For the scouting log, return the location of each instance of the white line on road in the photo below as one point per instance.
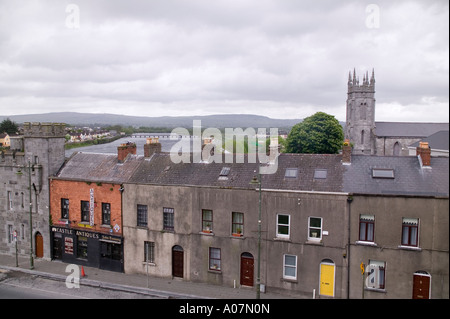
(43, 290)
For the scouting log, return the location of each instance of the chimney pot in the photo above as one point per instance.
(124, 149)
(424, 152)
(152, 146)
(346, 152)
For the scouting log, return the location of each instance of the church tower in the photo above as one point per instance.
(360, 121)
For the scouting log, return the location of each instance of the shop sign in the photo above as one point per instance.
(62, 230)
(91, 207)
(86, 234)
(110, 239)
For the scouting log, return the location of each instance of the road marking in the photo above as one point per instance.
(43, 290)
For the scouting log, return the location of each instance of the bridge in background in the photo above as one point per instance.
(164, 136)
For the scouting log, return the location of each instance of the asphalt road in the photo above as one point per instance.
(18, 285)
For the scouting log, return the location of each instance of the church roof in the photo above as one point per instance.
(437, 141)
(408, 129)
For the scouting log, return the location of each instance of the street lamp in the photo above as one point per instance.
(257, 181)
(31, 225)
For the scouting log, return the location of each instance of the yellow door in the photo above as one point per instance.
(327, 280)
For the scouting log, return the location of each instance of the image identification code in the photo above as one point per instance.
(235, 308)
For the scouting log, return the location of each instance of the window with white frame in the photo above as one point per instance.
(237, 223)
(376, 274)
(366, 227)
(207, 220)
(314, 228)
(289, 267)
(410, 232)
(283, 225)
(214, 259)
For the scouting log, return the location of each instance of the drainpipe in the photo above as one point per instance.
(121, 189)
(349, 201)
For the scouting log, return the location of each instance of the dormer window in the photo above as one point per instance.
(382, 173)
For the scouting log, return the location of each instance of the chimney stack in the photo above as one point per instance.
(208, 147)
(346, 152)
(152, 146)
(124, 149)
(424, 152)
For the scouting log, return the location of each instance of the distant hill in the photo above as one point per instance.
(90, 119)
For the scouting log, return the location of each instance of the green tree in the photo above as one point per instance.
(9, 127)
(320, 133)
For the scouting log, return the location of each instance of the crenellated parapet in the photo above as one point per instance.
(367, 85)
(44, 129)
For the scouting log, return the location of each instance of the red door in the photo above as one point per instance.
(421, 286)
(39, 246)
(247, 267)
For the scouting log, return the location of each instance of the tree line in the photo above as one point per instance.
(320, 133)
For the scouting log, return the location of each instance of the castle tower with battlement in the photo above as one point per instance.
(360, 119)
(24, 188)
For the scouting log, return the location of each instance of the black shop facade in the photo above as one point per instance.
(87, 248)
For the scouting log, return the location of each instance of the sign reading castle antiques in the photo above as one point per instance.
(75, 232)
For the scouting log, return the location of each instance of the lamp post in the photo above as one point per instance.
(257, 181)
(31, 220)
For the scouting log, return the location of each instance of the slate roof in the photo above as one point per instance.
(437, 141)
(409, 177)
(162, 171)
(99, 167)
(306, 165)
(408, 129)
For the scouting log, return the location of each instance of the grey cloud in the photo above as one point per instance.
(201, 56)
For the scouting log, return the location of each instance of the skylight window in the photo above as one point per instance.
(291, 173)
(382, 173)
(225, 171)
(320, 174)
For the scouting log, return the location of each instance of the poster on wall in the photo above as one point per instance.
(68, 245)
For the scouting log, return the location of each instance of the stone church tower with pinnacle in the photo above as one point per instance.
(360, 119)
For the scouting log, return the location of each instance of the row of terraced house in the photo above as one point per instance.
(324, 218)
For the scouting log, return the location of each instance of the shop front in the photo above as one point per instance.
(87, 248)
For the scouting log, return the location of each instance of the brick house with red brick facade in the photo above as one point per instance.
(86, 208)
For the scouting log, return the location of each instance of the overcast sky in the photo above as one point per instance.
(277, 58)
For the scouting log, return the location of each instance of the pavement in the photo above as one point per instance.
(165, 288)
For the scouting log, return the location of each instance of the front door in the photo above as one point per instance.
(421, 286)
(57, 248)
(327, 279)
(39, 242)
(177, 261)
(247, 267)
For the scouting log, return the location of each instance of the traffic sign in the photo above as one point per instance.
(362, 268)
